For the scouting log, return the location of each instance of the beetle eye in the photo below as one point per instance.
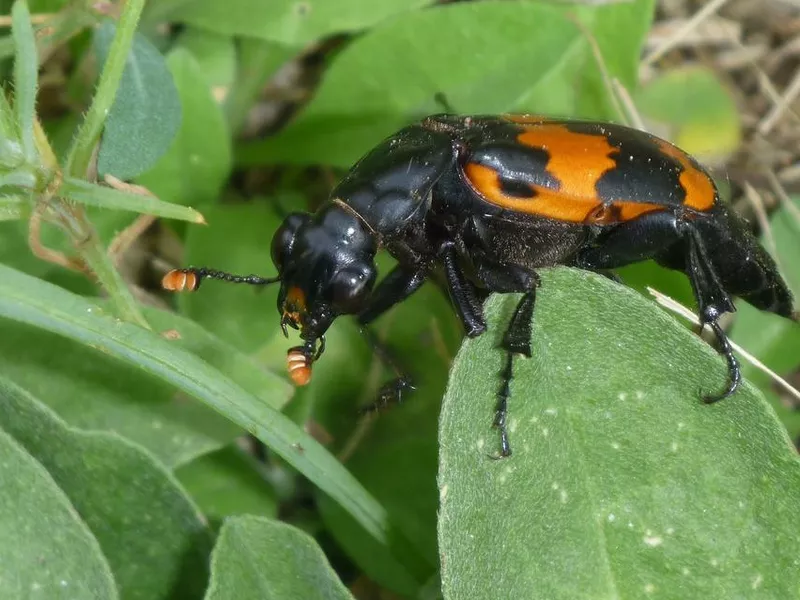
(350, 288)
(283, 240)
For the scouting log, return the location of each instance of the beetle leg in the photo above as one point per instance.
(398, 285)
(713, 302)
(462, 292)
(516, 340)
(631, 242)
(392, 391)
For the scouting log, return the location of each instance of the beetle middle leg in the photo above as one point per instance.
(664, 236)
(517, 337)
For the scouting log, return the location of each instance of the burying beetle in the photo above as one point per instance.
(490, 199)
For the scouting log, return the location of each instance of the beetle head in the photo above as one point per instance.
(326, 266)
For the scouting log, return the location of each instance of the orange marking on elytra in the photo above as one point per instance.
(700, 190)
(547, 203)
(577, 160)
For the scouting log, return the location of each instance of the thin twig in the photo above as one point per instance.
(701, 15)
(782, 106)
(601, 63)
(37, 19)
(630, 108)
(783, 197)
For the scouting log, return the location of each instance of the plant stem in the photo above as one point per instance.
(80, 154)
(73, 218)
(25, 76)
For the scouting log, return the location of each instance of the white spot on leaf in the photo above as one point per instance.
(653, 540)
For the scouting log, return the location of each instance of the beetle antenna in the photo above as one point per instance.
(189, 279)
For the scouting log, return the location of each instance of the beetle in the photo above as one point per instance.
(487, 200)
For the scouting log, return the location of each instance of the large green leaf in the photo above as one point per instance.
(25, 299)
(484, 56)
(288, 21)
(198, 161)
(623, 484)
(46, 550)
(146, 111)
(147, 528)
(215, 55)
(695, 111)
(266, 560)
(229, 482)
(97, 392)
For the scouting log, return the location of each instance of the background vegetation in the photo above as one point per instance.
(152, 446)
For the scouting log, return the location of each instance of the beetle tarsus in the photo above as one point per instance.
(391, 393)
(734, 373)
(501, 410)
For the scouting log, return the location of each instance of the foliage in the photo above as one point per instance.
(160, 452)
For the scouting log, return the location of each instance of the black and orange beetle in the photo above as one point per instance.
(490, 199)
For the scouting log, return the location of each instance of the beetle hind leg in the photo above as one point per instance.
(713, 301)
(734, 374)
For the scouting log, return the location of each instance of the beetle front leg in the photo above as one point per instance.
(398, 285)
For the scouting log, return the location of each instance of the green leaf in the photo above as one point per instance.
(147, 528)
(522, 55)
(25, 299)
(215, 55)
(8, 126)
(47, 550)
(291, 22)
(146, 113)
(199, 160)
(26, 76)
(259, 60)
(93, 391)
(92, 194)
(24, 177)
(47, 6)
(786, 234)
(13, 207)
(117, 52)
(619, 55)
(229, 482)
(623, 483)
(267, 560)
(694, 110)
